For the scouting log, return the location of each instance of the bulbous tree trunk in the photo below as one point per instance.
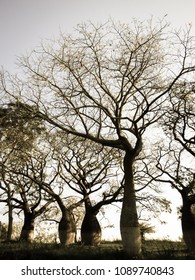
(188, 225)
(90, 229)
(27, 233)
(129, 225)
(67, 228)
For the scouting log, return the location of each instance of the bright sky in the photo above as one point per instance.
(24, 23)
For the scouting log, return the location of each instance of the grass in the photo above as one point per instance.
(152, 249)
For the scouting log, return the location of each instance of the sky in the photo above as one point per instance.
(25, 23)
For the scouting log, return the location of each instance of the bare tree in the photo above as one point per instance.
(19, 130)
(26, 196)
(174, 170)
(181, 116)
(108, 84)
(45, 172)
(176, 157)
(87, 168)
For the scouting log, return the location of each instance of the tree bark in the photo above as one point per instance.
(27, 233)
(129, 225)
(10, 220)
(188, 225)
(90, 229)
(67, 227)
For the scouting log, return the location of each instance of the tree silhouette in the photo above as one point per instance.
(19, 131)
(108, 84)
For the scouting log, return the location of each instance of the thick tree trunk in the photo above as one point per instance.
(188, 225)
(129, 225)
(90, 229)
(27, 233)
(67, 227)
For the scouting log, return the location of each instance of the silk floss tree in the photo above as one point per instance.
(87, 168)
(176, 163)
(108, 83)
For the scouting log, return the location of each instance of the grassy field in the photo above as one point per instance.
(152, 249)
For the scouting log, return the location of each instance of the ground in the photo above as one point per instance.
(152, 249)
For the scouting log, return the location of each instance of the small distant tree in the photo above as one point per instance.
(16, 232)
(146, 229)
(3, 231)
